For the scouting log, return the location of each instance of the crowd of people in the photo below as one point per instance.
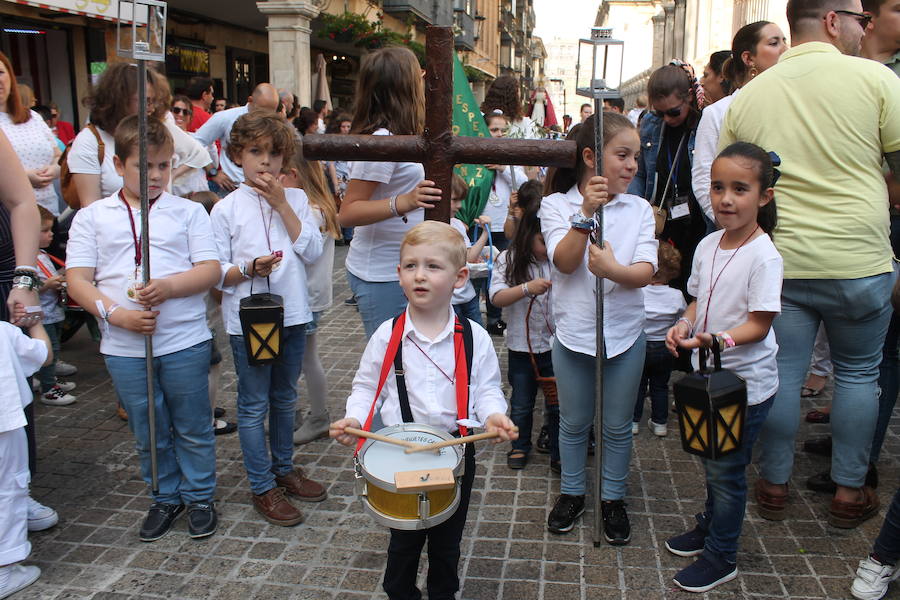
(750, 212)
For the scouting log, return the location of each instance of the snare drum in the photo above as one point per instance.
(378, 462)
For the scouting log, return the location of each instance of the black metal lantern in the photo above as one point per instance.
(262, 319)
(712, 409)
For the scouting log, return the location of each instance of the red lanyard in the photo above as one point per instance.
(266, 225)
(713, 270)
(134, 235)
(431, 360)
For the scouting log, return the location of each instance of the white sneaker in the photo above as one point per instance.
(64, 369)
(40, 517)
(16, 577)
(635, 427)
(313, 428)
(658, 430)
(57, 397)
(872, 579)
(66, 386)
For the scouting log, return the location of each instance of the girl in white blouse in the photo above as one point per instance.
(384, 199)
(626, 262)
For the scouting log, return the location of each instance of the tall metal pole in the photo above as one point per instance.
(600, 348)
(145, 263)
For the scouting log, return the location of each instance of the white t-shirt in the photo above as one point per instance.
(35, 145)
(706, 147)
(628, 226)
(497, 205)
(750, 283)
(540, 324)
(82, 158)
(180, 235)
(20, 356)
(240, 223)
(319, 273)
(375, 250)
(662, 307)
(466, 292)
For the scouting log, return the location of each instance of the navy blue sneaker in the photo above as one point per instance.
(687, 544)
(705, 574)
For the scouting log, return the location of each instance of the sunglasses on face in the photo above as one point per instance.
(862, 18)
(177, 110)
(672, 112)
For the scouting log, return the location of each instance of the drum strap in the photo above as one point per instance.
(393, 356)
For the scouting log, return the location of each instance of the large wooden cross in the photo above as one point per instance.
(437, 148)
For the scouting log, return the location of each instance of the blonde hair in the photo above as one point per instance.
(390, 93)
(436, 233)
(312, 181)
(459, 189)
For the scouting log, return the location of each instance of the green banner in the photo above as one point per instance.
(467, 121)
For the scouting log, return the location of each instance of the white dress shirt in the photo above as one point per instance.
(432, 397)
(20, 356)
(375, 250)
(240, 221)
(541, 322)
(628, 226)
(706, 145)
(218, 127)
(497, 205)
(180, 235)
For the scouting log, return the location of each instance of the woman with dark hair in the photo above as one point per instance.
(755, 48)
(30, 137)
(664, 165)
(113, 98)
(503, 95)
(307, 122)
(715, 85)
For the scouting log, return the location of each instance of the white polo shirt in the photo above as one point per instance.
(240, 221)
(628, 225)
(180, 235)
(375, 250)
(540, 324)
(432, 397)
(497, 206)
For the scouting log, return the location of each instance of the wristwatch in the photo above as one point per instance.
(212, 172)
(581, 223)
(26, 282)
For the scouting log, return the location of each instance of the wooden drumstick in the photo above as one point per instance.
(463, 440)
(379, 438)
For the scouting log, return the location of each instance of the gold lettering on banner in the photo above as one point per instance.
(101, 5)
(190, 60)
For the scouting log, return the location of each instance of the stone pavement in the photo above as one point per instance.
(88, 471)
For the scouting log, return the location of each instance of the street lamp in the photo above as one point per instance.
(141, 36)
(601, 82)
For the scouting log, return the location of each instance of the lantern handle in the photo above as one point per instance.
(717, 359)
(253, 278)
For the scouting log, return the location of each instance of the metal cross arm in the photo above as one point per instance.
(437, 148)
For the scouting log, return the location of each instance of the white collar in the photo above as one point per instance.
(410, 327)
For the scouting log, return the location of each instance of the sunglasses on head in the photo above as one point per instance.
(862, 18)
(177, 110)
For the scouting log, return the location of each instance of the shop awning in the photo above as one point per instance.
(107, 10)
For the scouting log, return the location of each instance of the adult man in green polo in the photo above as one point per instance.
(831, 117)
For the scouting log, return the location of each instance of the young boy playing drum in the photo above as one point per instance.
(432, 265)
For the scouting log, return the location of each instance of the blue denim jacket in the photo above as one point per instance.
(652, 129)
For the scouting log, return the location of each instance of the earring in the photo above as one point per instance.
(753, 72)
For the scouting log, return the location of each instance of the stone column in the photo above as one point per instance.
(659, 40)
(289, 59)
(680, 14)
(669, 52)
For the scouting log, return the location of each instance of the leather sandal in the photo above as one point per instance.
(848, 515)
(516, 459)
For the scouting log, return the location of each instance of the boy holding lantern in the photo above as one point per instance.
(432, 265)
(266, 234)
(104, 276)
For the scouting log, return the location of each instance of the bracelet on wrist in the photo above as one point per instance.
(392, 204)
(687, 322)
(525, 291)
(727, 340)
(26, 281)
(24, 270)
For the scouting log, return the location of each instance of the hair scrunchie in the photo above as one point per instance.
(696, 89)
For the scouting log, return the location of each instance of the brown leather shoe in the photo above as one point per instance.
(120, 412)
(276, 509)
(848, 515)
(770, 505)
(301, 487)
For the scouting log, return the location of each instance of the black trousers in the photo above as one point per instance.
(405, 548)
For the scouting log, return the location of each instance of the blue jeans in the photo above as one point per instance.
(856, 314)
(377, 301)
(726, 491)
(185, 443)
(521, 402)
(268, 390)
(658, 364)
(575, 380)
(469, 310)
(887, 544)
(888, 383)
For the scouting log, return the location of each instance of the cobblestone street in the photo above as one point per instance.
(88, 472)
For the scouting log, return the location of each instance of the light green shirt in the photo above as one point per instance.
(830, 118)
(894, 64)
